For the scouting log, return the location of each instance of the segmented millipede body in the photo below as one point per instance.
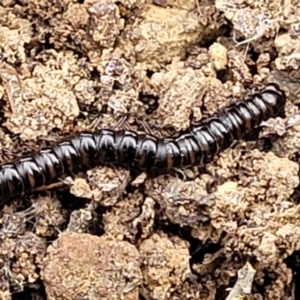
(142, 152)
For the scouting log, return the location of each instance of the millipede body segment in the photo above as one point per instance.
(142, 152)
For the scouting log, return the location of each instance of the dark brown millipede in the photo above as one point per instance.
(142, 152)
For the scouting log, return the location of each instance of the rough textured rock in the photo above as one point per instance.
(101, 268)
(164, 263)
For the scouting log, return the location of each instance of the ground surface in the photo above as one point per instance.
(68, 66)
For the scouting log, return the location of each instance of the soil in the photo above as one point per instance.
(228, 230)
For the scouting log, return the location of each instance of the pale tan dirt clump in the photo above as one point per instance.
(100, 268)
(155, 66)
(164, 263)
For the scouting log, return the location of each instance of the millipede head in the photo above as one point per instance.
(274, 97)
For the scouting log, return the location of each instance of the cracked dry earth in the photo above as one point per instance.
(69, 66)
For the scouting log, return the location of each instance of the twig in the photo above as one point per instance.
(264, 24)
(243, 284)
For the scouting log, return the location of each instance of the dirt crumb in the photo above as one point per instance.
(80, 220)
(90, 25)
(132, 219)
(103, 185)
(176, 199)
(165, 263)
(182, 92)
(289, 48)
(26, 251)
(51, 104)
(93, 270)
(48, 216)
(160, 34)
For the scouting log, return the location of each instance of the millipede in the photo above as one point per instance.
(142, 152)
